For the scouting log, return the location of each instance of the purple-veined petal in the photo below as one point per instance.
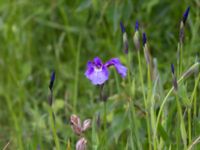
(97, 75)
(97, 62)
(90, 69)
(121, 69)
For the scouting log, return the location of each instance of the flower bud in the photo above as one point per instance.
(86, 124)
(136, 40)
(76, 124)
(124, 36)
(174, 80)
(125, 42)
(81, 144)
(185, 15)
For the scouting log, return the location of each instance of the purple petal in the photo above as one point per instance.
(90, 69)
(97, 75)
(122, 70)
(97, 62)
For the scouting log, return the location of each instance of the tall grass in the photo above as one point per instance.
(141, 112)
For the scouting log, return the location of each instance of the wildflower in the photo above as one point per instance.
(98, 72)
(136, 38)
(81, 144)
(175, 84)
(125, 39)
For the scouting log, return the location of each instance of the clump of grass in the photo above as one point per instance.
(147, 109)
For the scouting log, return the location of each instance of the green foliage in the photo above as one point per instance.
(44, 35)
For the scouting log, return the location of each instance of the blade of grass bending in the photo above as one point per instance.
(170, 91)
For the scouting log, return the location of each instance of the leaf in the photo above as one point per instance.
(68, 145)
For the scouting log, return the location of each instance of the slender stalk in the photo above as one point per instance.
(76, 75)
(147, 108)
(144, 97)
(181, 58)
(53, 128)
(181, 122)
(152, 113)
(194, 143)
(105, 124)
(189, 126)
(132, 113)
(16, 125)
(141, 76)
(104, 115)
(194, 100)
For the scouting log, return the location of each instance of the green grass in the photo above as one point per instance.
(140, 113)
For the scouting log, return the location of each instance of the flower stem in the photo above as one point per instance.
(105, 123)
(53, 127)
(144, 97)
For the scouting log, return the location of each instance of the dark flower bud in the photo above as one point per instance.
(52, 80)
(136, 26)
(125, 39)
(122, 27)
(175, 84)
(185, 15)
(136, 37)
(144, 38)
(172, 68)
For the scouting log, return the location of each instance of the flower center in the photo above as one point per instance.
(98, 68)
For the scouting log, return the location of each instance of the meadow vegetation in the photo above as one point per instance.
(152, 105)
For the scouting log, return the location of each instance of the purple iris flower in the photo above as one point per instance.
(98, 72)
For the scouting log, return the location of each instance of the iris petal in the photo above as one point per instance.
(98, 76)
(96, 72)
(121, 69)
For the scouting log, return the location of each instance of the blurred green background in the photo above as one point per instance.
(39, 36)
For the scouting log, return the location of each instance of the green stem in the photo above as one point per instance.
(144, 97)
(141, 75)
(105, 124)
(52, 123)
(16, 125)
(189, 126)
(147, 103)
(76, 74)
(181, 57)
